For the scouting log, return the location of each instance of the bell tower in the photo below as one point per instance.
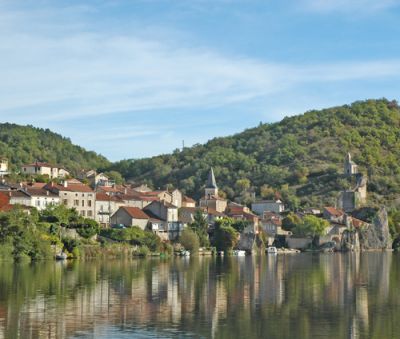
(211, 189)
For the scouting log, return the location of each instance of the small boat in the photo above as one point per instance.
(272, 250)
(185, 254)
(239, 253)
(61, 256)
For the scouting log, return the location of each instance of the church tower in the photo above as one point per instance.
(211, 187)
(350, 167)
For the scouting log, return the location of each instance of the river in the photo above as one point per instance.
(286, 296)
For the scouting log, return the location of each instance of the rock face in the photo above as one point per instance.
(350, 241)
(376, 236)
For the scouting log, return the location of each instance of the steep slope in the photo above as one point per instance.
(301, 157)
(24, 144)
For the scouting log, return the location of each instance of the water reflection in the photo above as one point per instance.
(293, 296)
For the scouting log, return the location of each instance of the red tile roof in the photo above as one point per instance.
(187, 199)
(135, 213)
(334, 212)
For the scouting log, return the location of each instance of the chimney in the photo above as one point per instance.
(47, 192)
(65, 183)
(125, 190)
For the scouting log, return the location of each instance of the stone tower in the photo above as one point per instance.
(350, 167)
(211, 187)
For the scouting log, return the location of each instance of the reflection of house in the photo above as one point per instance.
(130, 216)
(44, 168)
(211, 200)
(260, 207)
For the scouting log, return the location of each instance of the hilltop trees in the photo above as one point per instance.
(306, 152)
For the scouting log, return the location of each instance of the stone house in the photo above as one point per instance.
(165, 218)
(130, 216)
(106, 206)
(44, 168)
(188, 202)
(259, 207)
(75, 194)
(3, 166)
(177, 197)
(42, 198)
(333, 215)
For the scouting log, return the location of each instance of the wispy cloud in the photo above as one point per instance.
(90, 74)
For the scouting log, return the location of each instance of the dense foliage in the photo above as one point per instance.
(310, 226)
(299, 158)
(26, 144)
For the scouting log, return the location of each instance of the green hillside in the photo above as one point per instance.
(25, 144)
(300, 157)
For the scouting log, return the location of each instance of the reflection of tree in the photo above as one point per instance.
(298, 296)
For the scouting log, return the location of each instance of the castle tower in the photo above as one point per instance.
(211, 187)
(350, 167)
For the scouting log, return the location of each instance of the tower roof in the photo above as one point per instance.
(211, 182)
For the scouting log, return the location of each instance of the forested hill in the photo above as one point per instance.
(25, 144)
(300, 157)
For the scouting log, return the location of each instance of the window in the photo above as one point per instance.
(83, 213)
(76, 202)
(89, 213)
(89, 203)
(65, 201)
(38, 203)
(83, 194)
(83, 203)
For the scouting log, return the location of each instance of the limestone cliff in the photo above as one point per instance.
(376, 235)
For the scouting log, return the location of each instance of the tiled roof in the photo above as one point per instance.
(70, 188)
(33, 191)
(135, 213)
(187, 199)
(334, 212)
(105, 197)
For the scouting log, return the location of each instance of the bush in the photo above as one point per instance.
(190, 240)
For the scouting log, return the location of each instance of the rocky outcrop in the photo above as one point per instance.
(350, 241)
(373, 236)
(376, 235)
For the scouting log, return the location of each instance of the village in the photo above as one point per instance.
(167, 213)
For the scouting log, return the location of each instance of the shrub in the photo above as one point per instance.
(190, 240)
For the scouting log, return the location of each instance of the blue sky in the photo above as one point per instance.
(133, 78)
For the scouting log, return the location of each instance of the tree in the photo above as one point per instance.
(189, 240)
(200, 227)
(290, 222)
(225, 236)
(267, 192)
(311, 226)
(242, 184)
(115, 176)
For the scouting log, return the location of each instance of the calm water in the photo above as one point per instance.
(285, 296)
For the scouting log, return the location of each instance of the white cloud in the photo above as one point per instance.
(66, 72)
